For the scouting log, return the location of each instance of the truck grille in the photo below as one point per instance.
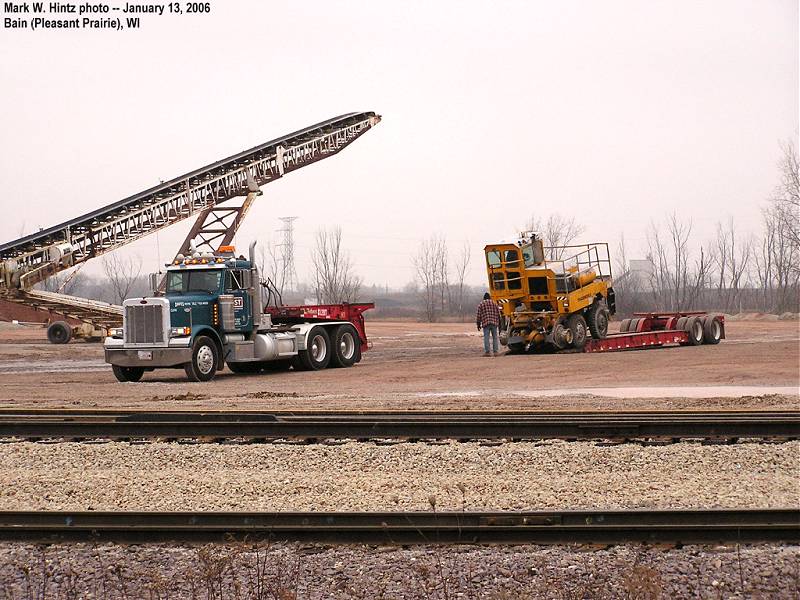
(144, 324)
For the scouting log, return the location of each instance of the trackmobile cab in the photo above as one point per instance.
(212, 313)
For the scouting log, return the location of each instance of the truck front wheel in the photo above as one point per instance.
(124, 374)
(318, 351)
(205, 359)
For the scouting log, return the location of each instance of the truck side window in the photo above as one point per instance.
(233, 280)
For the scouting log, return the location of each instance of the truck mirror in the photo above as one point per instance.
(154, 280)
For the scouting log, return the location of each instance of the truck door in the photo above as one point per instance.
(234, 285)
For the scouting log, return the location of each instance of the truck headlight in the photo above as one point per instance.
(180, 331)
(115, 332)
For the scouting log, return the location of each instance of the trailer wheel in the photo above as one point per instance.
(124, 374)
(623, 326)
(59, 332)
(681, 324)
(712, 330)
(345, 346)
(205, 358)
(694, 327)
(577, 325)
(597, 319)
(318, 353)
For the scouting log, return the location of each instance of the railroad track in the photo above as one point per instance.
(255, 426)
(541, 527)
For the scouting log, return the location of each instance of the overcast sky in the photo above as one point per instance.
(616, 112)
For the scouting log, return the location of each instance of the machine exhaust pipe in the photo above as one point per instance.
(253, 253)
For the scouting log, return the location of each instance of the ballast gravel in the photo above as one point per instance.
(404, 476)
(434, 573)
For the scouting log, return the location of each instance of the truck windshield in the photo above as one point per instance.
(186, 282)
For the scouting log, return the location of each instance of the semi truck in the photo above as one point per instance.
(213, 312)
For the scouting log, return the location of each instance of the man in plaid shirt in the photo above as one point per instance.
(488, 318)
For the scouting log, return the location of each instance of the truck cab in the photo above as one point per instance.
(211, 314)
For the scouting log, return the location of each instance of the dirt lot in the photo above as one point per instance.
(422, 366)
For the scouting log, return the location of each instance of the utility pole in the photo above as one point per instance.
(287, 253)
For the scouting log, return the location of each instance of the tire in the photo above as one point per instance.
(712, 330)
(597, 319)
(124, 374)
(562, 336)
(680, 325)
(694, 327)
(245, 368)
(59, 332)
(345, 346)
(580, 332)
(205, 358)
(623, 327)
(318, 354)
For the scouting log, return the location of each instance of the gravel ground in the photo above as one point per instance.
(362, 476)
(291, 571)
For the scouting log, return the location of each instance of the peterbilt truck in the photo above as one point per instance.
(211, 314)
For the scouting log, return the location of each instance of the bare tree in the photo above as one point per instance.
(786, 198)
(557, 231)
(334, 278)
(461, 266)
(427, 264)
(271, 266)
(777, 259)
(121, 274)
(732, 257)
(674, 282)
(442, 274)
(64, 283)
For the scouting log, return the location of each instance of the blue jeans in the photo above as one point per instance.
(490, 329)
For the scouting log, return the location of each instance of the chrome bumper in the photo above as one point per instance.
(159, 357)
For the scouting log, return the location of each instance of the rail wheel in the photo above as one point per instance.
(318, 353)
(712, 330)
(205, 358)
(346, 346)
(577, 325)
(59, 332)
(562, 336)
(597, 319)
(124, 374)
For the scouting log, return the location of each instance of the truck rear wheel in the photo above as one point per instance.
(346, 342)
(597, 319)
(577, 325)
(317, 354)
(59, 332)
(124, 374)
(205, 358)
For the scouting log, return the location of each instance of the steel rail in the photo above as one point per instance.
(537, 527)
(274, 425)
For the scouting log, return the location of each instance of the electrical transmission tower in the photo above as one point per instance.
(287, 254)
